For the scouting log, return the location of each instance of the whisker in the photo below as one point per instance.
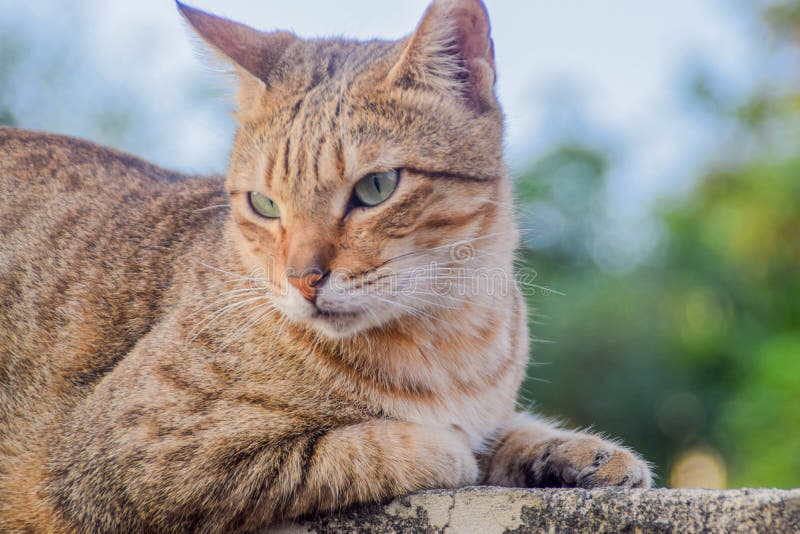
(223, 271)
(192, 335)
(223, 298)
(432, 303)
(413, 310)
(212, 208)
(258, 315)
(460, 242)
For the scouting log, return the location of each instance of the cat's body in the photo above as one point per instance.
(127, 281)
(156, 373)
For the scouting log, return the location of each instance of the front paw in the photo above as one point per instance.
(584, 461)
(451, 460)
(571, 460)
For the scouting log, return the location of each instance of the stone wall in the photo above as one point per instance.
(487, 510)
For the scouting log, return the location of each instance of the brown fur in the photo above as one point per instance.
(158, 371)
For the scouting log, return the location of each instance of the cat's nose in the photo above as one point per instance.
(307, 285)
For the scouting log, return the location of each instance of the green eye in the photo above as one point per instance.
(374, 188)
(264, 206)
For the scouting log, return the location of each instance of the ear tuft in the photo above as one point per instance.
(256, 52)
(452, 50)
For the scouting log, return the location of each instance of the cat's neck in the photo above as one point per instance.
(427, 355)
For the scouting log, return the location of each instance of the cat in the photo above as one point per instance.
(186, 353)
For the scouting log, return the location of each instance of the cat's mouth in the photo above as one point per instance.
(333, 314)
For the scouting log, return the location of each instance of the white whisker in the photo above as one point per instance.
(212, 207)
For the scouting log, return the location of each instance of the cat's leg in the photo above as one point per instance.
(220, 486)
(534, 453)
(381, 459)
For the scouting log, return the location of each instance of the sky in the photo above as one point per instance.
(610, 70)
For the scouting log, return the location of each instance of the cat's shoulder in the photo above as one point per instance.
(27, 154)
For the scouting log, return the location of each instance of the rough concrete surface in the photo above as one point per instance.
(488, 510)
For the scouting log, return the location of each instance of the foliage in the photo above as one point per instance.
(699, 345)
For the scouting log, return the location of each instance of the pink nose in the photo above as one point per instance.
(306, 285)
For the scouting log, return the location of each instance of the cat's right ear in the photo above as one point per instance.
(451, 50)
(253, 53)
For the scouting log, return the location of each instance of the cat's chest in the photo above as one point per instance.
(481, 414)
(479, 395)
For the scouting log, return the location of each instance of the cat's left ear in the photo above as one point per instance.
(255, 54)
(451, 50)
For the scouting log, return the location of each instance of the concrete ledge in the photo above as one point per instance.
(489, 510)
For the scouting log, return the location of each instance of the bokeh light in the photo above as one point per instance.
(698, 468)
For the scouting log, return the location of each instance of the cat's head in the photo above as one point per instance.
(367, 180)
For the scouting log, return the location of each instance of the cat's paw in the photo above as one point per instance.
(572, 460)
(584, 461)
(453, 460)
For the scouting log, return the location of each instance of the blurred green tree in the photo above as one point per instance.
(698, 347)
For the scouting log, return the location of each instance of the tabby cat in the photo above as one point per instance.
(186, 353)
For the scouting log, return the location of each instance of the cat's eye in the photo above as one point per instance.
(264, 206)
(375, 187)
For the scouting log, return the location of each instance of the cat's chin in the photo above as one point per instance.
(338, 325)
